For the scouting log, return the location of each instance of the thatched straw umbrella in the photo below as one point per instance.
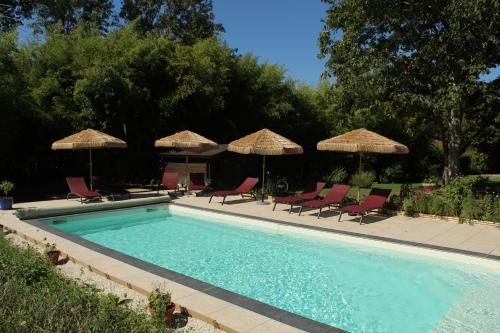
(89, 139)
(362, 141)
(188, 141)
(264, 142)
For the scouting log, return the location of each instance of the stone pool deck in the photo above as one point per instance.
(477, 240)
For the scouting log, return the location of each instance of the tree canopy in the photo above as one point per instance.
(419, 61)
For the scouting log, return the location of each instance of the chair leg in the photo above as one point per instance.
(320, 208)
(210, 200)
(300, 211)
(223, 199)
(290, 210)
(361, 219)
(274, 207)
(242, 196)
(340, 216)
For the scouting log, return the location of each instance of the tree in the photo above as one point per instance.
(183, 20)
(68, 13)
(13, 11)
(423, 59)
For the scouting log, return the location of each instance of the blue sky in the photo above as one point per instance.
(282, 32)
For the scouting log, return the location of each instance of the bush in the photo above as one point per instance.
(363, 179)
(337, 176)
(392, 174)
(456, 199)
(409, 206)
(34, 297)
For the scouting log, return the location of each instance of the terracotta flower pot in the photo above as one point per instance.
(53, 256)
(169, 313)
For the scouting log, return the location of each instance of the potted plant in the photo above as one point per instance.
(52, 253)
(161, 305)
(6, 202)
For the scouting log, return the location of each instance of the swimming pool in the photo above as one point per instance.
(336, 280)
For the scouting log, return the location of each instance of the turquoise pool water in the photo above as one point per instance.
(353, 287)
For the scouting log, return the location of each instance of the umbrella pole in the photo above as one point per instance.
(263, 175)
(90, 164)
(187, 175)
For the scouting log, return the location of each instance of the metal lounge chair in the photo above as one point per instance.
(243, 189)
(334, 197)
(78, 188)
(295, 199)
(375, 200)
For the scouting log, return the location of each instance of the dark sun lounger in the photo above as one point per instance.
(78, 188)
(334, 197)
(295, 199)
(244, 188)
(375, 200)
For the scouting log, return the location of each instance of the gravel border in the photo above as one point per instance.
(138, 301)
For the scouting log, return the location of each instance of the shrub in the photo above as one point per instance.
(363, 179)
(392, 174)
(456, 199)
(409, 206)
(337, 176)
(467, 211)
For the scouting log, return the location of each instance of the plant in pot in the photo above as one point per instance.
(6, 202)
(161, 305)
(52, 253)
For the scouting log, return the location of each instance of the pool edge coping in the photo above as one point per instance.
(263, 309)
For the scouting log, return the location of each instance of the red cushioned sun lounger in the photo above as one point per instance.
(78, 188)
(334, 197)
(244, 188)
(170, 181)
(375, 200)
(295, 199)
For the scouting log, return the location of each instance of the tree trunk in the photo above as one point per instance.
(452, 146)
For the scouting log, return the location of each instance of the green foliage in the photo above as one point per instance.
(6, 187)
(468, 205)
(49, 247)
(363, 179)
(392, 174)
(416, 65)
(460, 188)
(337, 176)
(65, 14)
(457, 199)
(474, 161)
(409, 206)
(183, 20)
(159, 300)
(33, 295)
